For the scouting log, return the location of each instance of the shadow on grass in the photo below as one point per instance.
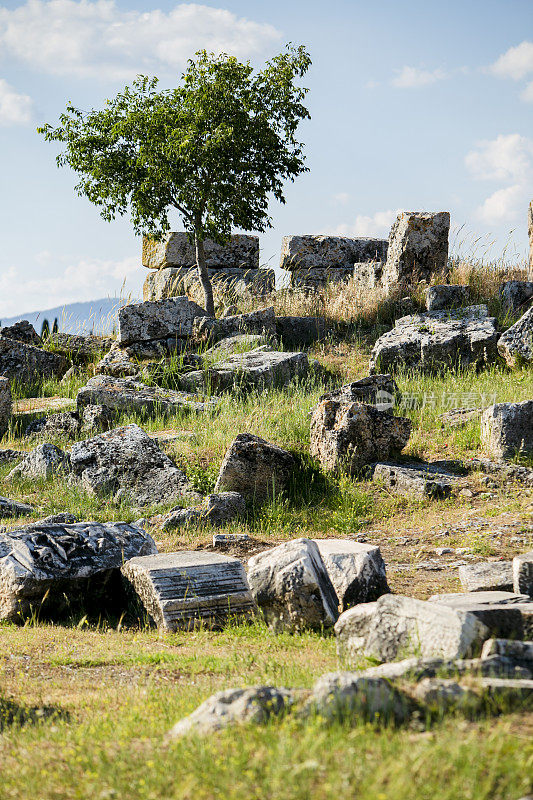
(12, 714)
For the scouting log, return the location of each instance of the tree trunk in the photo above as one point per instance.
(204, 275)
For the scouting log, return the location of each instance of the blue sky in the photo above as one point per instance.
(415, 105)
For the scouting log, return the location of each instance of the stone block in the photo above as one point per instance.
(216, 510)
(325, 252)
(169, 282)
(262, 322)
(446, 296)
(79, 350)
(294, 332)
(24, 363)
(507, 429)
(356, 570)
(417, 481)
(144, 322)
(504, 615)
(487, 576)
(176, 249)
(523, 574)
(380, 391)
(516, 344)
(418, 248)
(187, 589)
(516, 295)
(22, 331)
(44, 462)
(347, 695)
(255, 468)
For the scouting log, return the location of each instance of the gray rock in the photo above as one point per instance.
(418, 248)
(255, 705)
(123, 394)
(65, 424)
(503, 471)
(504, 615)
(95, 419)
(396, 626)
(446, 296)
(438, 340)
(516, 295)
(256, 469)
(327, 252)
(516, 344)
(144, 322)
(367, 275)
(79, 350)
(24, 363)
(12, 508)
(488, 576)
(346, 436)
(7, 455)
(375, 390)
(519, 651)
(416, 669)
(225, 539)
(262, 322)
(317, 277)
(508, 691)
(356, 570)
(46, 567)
(523, 574)
(125, 462)
(240, 343)
(300, 331)
(6, 405)
(42, 463)
(169, 282)
(291, 586)
(190, 588)
(347, 695)
(445, 695)
(23, 332)
(175, 249)
(458, 417)
(63, 518)
(259, 369)
(507, 429)
(216, 510)
(117, 364)
(415, 480)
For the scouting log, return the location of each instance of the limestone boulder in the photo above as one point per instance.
(79, 350)
(255, 468)
(516, 344)
(12, 508)
(291, 586)
(327, 252)
(294, 332)
(396, 627)
(22, 331)
(418, 481)
(232, 345)
(144, 322)
(262, 322)
(356, 570)
(507, 429)
(6, 405)
(487, 576)
(25, 363)
(42, 463)
(188, 589)
(523, 574)
(437, 341)
(516, 295)
(446, 296)
(216, 510)
(176, 249)
(346, 696)
(346, 436)
(126, 463)
(417, 249)
(50, 567)
(530, 233)
(380, 391)
(517, 651)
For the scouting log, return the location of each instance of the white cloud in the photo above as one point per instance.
(341, 197)
(88, 279)
(413, 78)
(15, 108)
(379, 224)
(507, 159)
(517, 64)
(97, 39)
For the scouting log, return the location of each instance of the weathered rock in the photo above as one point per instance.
(458, 417)
(503, 471)
(228, 539)
(95, 419)
(216, 510)
(22, 331)
(43, 462)
(376, 390)
(396, 626)
(516, 295)
(523, 574)
(487, 576)
(291, 586)
(169, 282)
(516, 344)
(7, 455)
(504, 615)
(117, 364)
(445, 695)
(125, 462)
(255, 468)
(418, 248)
(12, 508)
(329, 252)
(367, 275)
(6, 405)
(446, 296)
(255, 705)
(63, 518)
(438, 340)
(317, 277)
(356, 570)
(240, 343)
(48, 567)
(416, 669)
(259, 369)
(176, 249)
(346, 436)
(415, 480)
(262, 322)
(79, 350)
(300, 331)
(144, 322)
(65, 424)
(123, 394)
(519, 651)
(190, 588)
(507, 429)
(508, 692)
(347, 695)
(24, 363)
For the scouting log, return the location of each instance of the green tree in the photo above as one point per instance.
(45, 329)
(214, 148)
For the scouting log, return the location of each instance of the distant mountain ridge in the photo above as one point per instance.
(98, 316)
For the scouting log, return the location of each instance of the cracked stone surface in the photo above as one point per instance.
(144, 322)
(256, 469)
(418, 247)
(175, 249)
(516, 344)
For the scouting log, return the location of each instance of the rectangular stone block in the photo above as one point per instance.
(415, 480)
(507, 429)
(523, 573)
(506, 615)
(185, 589)
(418, 248)
(144, 322)
(174, 281)
(329, 252)
(176, 249)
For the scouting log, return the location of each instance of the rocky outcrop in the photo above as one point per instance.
(126, 463)
(507, 429)
(516, 344)
(6, 405)
(176, 249)
(256, 469)
(23, 332)
(50, 567)
(216, 510)
(437, 341)
(418, 248)
(25, 363)
(291, 586)
(356, 570)
(190, 588)
(144, 322)
(346, 436)
(446, 296)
